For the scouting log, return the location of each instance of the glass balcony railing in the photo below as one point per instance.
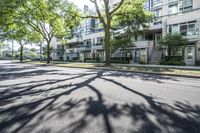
(172, 1)
(156, 3)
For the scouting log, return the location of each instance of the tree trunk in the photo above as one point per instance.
(21, 53)
(41, 52)
(48, 52)
(107, 47)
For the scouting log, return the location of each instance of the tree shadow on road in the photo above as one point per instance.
(26, 116)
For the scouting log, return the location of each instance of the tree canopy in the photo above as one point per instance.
(49, 18)
(175, 43)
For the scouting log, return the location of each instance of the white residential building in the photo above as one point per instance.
(170, 16)
(87, 41)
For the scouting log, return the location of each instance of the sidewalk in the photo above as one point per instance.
(167, 66)
(181, 71)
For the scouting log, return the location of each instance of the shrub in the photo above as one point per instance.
(142, 62)
(176, 63)
(90, 61)
(120, 61)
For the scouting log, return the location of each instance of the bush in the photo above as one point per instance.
(71, 61)
(142, 62)
(173, 58)
(176, 63)
(90, 61)
(120, 61)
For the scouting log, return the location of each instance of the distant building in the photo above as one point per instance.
(7, 54)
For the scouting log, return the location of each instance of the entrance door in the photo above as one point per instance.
(136, 56)
(190, 55)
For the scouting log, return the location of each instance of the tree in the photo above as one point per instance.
(124, 12)
(23, 36)
(175, 43)
(49, 18)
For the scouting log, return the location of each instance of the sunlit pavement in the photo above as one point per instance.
(45, 99)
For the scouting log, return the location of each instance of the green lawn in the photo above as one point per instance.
(129, 68)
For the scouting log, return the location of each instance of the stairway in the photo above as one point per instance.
(156, 57)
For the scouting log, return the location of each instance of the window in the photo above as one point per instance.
(191, 29)
(173, 9)
(99, 41)
(87, 43)
(175, 28)
(183, 29)
(185, 5)
(157, 24)
(156, 3)
(158, 14)
(189, 54)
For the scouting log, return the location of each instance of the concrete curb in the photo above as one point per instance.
(122, 70)
(153, 73)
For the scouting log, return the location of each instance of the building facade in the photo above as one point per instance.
(178, 16)
(170, 16)
(87, 41)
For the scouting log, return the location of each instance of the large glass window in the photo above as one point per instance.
(158, 15)
(173, 9)
(191, 29)
(185, 29)
(174, 29)
(185, 5)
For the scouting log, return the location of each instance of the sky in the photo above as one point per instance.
(81, 3)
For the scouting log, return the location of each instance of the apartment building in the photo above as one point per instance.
(177, 16)
(87, 41)
(170, 16)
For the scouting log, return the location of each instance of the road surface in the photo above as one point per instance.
(46, 99)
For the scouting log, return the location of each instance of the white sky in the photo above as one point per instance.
(81, 3)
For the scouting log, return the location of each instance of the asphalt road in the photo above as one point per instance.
(45, 99)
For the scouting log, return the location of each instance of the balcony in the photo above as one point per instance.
(143, 44)
(83, 48)
(173, 1)
(97, 46)
(75, 40)
(192, 38)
